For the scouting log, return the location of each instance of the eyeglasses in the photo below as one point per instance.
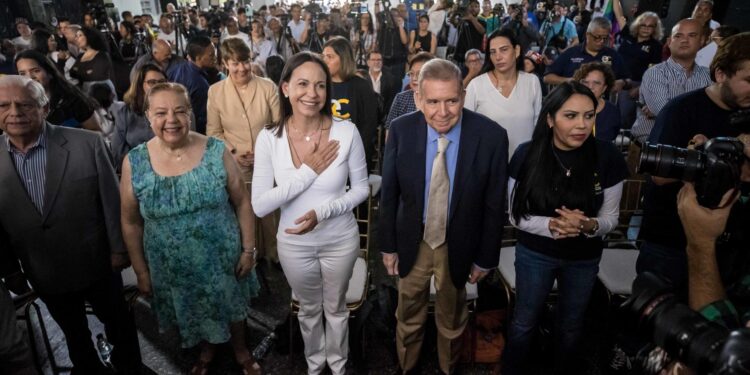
(152, 82)
(648, 25)
(473, 61)
(599, 38)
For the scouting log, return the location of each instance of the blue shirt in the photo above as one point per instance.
(193, 78)
(572, 59)
(451, 157)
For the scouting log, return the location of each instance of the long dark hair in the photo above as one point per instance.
(95, 40)
(40, 40)
(502, 33)
(541, 185)
(59, 87)
(370, 26)
(286, 105)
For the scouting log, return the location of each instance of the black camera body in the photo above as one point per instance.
(685, 335)
(715, 167)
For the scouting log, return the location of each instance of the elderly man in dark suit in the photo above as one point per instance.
(60, 207)
(442, 209)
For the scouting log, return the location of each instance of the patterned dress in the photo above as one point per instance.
(191, 240)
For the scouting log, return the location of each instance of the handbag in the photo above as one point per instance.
(483, 340)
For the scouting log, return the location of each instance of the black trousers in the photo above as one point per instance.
(106, 299)
(15, 357)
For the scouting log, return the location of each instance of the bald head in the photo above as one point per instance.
(686, 39)
(162, 51)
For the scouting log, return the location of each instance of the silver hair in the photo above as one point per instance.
(440, 70)
(472, 52)
(599, 23)
(35, 89)
(658, 31)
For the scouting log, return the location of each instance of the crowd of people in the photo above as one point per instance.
(245, 134)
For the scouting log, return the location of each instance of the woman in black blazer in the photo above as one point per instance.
(352, 97)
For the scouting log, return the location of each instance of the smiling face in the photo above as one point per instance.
(573, 122)
(306, 89)
(647, 28)
(503, 55)
(441, 103)
(239, 71)
(169, 115)
(414, 75)
(20, 114)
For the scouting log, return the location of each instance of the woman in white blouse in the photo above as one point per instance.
(302, 164)
(505, 93)
(262, 48)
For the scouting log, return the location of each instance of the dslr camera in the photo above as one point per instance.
(714, 167)
(683, 334)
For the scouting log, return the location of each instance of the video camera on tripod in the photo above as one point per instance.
(101, 14)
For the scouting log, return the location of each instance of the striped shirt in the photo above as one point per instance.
(31, 168)
(661, 83)
(403, 103)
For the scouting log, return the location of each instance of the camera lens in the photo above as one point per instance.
(671, 162)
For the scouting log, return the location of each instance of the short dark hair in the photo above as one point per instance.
(197, 46)
(62, 19)
(731, 54)
(725, 31)
(375, 51)
(125, 14)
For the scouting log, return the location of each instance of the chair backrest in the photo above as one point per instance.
(631, 209)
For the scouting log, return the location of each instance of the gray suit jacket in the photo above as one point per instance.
(67, 247)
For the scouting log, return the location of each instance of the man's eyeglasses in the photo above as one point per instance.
(473, 61)
(599, 38)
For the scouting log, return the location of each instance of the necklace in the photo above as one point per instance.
(178, 154)
(566, 169)
(294, 149)
(307, 136)
(499, 85)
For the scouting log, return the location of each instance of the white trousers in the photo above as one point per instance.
(319, 277)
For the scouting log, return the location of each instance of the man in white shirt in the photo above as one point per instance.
(22, 42)
(168, 33)
(296, 24)
(233, 31)
(706, 54)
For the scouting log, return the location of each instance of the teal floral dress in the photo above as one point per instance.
(191, 240)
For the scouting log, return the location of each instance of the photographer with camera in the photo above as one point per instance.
(470, 31)
(519, 23)
(392, 38)
(559, 31)
(710, 112)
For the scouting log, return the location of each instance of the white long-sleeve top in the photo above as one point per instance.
(278, 184)
(517, 113)
(607, 217)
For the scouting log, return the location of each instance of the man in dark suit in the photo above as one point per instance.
(442, 209)
(384, 83)
(60, 208)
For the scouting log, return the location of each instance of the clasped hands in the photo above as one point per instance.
(318, 160)
(570, 223)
